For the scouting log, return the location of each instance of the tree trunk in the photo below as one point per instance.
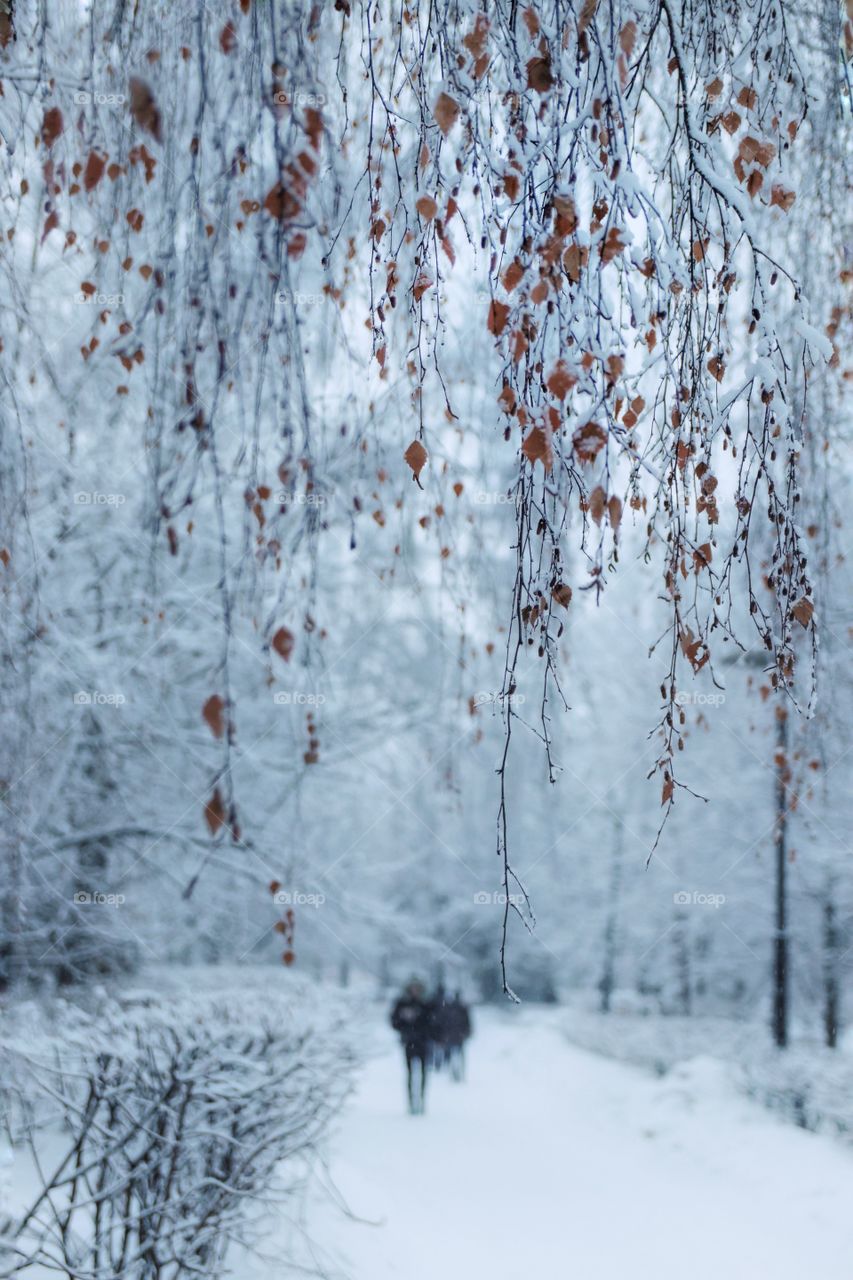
(607, 982)
(681, 940)
(12, 960)
(830, 972)
(781, 974)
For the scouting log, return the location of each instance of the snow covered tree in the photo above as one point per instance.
(269, 266)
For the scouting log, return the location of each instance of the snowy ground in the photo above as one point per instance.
(808, 1083)
(554, 1161)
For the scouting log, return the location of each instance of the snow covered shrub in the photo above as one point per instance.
(166, 1122)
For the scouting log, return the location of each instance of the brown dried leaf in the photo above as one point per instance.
(567, 215)
(531, 21)
(628, 37)
(94, 171)
(754, 151)
(702, 557)
(283, 643)
(597, 503)
(513, 275)
(561, 380)
(314, 126)
(587, 14)
(281, 204)
(782, 198)
(422, 283)
(539, 77)
(574, 260)
(144, 109)
(475, 41)
(498, 317)
(416, 456)
(803, 611)
(213, 713)
(214, 812)
(51, 126)
(614, 511)
(507, 399)
(446, 112)
(426, 207)
(694, 650)
(536, 447)
(588, 440)
(613, 245)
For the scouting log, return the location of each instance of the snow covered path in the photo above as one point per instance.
(551, 1162)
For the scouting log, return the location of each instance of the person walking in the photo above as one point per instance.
(457, 1022)
(412, 1019)
(439, 1051)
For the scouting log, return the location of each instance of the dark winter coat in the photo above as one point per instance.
(411, 1018)
(457, 1023)
(438, 1018)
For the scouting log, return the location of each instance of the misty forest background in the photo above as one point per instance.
(424, 549)
(246, 643)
